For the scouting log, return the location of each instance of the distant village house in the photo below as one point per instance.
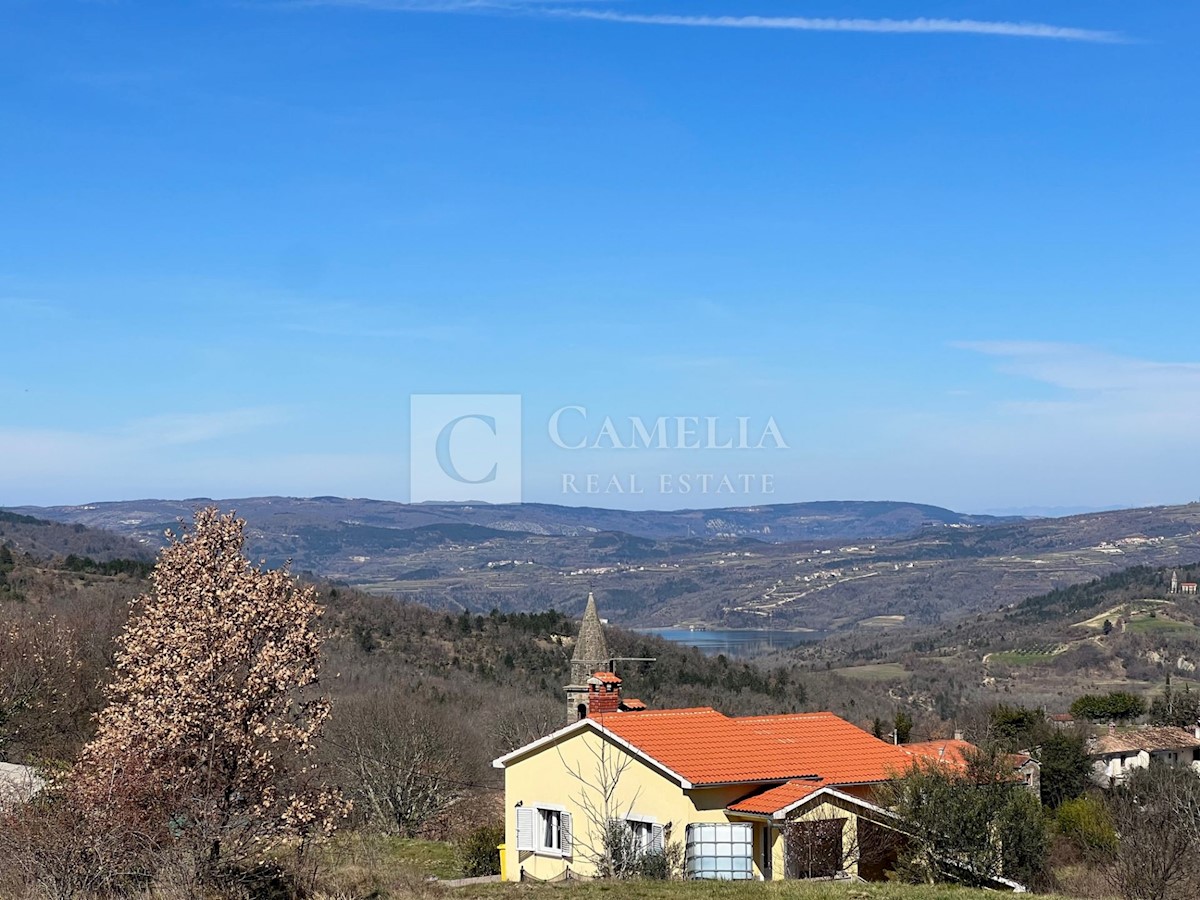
(1118, 753)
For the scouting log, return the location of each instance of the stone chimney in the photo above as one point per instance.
(958, 735)
(604, 694)
(1112, 727)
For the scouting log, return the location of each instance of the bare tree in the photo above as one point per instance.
(519, 723)
(608, 842)
(1157, 818)
(617, 845)
(403, 759)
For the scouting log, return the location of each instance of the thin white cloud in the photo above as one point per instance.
(45, 450)
(869, 26)
(574, 9)
(1088, 370)
(139, 456)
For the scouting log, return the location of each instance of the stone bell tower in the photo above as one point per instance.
(590, 656)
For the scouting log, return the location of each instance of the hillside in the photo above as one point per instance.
(44, 538)
(1122, 631)
(278, 517)
(533, 557)
(58, 618)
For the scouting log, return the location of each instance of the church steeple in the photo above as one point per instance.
(590, 656)
(591, 649)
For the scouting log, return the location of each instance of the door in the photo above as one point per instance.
(814, 849)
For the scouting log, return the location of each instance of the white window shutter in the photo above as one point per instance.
(566, 834)
(525, 827)
(656, 839)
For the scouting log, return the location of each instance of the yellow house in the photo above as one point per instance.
(762, 797)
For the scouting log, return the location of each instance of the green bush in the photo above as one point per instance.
(1118, 705)
(1085, 822)
(477, 851)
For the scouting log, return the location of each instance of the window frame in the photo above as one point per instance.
(642, 827)
(541, 811)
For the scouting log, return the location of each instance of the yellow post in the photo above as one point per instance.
(503, 863)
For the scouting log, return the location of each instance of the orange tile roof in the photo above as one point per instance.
(632, 703)
(774, 799)
(947, 751)
(606, 677)
(839, 752)
(707, 748)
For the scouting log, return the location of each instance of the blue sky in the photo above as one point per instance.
(950, 246)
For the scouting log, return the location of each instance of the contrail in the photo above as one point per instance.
(578, 9)
(873, 26)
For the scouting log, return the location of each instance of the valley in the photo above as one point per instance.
(834, 566)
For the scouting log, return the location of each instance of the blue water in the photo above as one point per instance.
(737, 643)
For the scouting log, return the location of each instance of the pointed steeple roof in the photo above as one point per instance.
(591, 650)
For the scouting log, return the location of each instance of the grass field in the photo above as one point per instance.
(1157, 624)
(1025, 657)
(366, 865)
(708, 890)
(874, 672)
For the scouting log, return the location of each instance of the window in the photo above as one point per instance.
(551, 829)
(720, 851)
(544, 829)
(646, 837)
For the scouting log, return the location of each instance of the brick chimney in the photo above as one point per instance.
(604, 694)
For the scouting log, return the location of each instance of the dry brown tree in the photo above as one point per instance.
(402, 759)
(1157, 817)
(203, 747)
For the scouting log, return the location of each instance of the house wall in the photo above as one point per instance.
(1108, 770)
(569, 774)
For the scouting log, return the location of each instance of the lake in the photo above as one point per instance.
(740, 643)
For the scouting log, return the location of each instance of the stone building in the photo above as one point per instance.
(591, 655)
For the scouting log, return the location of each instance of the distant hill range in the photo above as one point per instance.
(838, 565)
(825, 520)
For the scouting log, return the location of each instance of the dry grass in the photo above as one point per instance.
(708, 890)
(361, 865)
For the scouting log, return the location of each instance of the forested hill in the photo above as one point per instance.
(1134, 583)
(796, 565)
(271, 516)
(498, 676)
(44, 538)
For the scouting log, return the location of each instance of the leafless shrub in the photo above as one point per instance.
(403, 760)
(1157, 818)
